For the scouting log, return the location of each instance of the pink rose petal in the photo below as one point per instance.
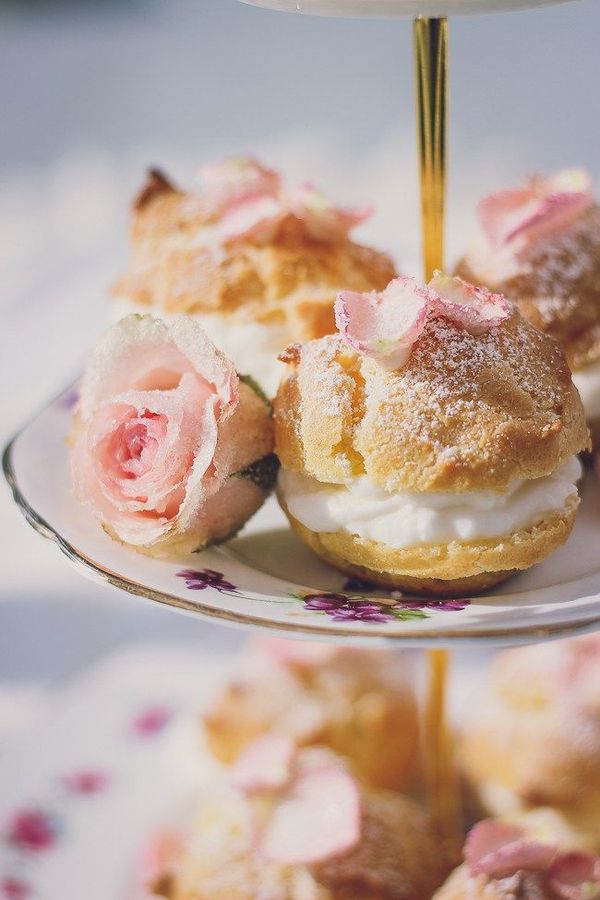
(322, 219)
(318, 817)
(237, 180)
(476, 309)
(498, 849)
(265, 765)
(258, 218)
(248, 201)
(383, 325)
(576, 876)
(386, 325)
(542, 206)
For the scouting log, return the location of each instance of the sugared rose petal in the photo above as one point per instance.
(317, 818)
(161, 425)
(383, 325)
(141, 353)
(235, 181)
(323, 220)
(386, 325)
(265, 765)
(498, 849)
(542, 206)
(576, 876)
(476, 309)
(248, 202)
(258, 219)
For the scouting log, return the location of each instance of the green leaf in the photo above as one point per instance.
(263, 472)
(255, 386)
(404, 615)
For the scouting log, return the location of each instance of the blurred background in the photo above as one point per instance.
(93, 92)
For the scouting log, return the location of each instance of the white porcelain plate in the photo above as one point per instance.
(266, 578)
(388, 8)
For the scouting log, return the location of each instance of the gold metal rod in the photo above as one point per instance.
(431, 78)
(440, 772)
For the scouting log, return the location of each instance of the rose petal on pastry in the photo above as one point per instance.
(265, 765)
(576, 876)
(383, 325)
(257, 218)
(236, 180)
(498, 849)
(475, 308)
(323, 220)
(544, 204)
(318, 817)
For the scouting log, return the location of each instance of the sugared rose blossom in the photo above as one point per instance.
(386, 325)
(520, 216)
(167, 441)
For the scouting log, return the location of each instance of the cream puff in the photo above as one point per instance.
(534, 738)
(258, 264)
(540, 246)
(359, 703)
(507, 861)
(431, 444)
(295, 824)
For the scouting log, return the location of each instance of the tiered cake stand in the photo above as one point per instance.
(265, 578)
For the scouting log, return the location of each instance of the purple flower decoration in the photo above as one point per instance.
(342, 608)
(69, 399)
(32, 830)
(14, 889)
(85, 781)
(152, 721)
(325, 602)
(200, 579)
(443, 605)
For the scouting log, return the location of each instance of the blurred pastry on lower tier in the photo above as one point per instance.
(534, 736)
(431, 444)
(259, 264)
(360, 703)
(539, 244)
(506, 861)
(297, 825)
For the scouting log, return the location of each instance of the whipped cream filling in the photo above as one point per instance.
(251, 346)
(587, 382)
(409, 519)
